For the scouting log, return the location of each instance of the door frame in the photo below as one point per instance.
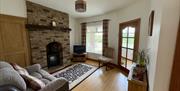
(175, 80)
(135, 22)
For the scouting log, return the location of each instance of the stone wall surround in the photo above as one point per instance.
(39, 39)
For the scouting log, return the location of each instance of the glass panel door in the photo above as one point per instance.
(128, 40)
(127, 54)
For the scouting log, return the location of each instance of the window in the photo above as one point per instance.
(94, 38)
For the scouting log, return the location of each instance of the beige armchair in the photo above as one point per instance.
(107, 57)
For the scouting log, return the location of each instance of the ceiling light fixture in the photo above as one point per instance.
(80, 5)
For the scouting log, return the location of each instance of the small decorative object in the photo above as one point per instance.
(138, 73)
(53, 23)
(80, 5)
(151, 20)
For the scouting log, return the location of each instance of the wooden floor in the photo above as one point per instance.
(102, 80)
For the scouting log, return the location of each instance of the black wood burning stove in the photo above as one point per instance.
(54, 54)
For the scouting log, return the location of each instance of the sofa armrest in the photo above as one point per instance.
(33, 68)
(9, 88)
(59, 84)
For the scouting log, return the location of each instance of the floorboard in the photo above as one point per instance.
(102, 80)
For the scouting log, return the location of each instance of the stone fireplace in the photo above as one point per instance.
(40, 38)
(54, 54)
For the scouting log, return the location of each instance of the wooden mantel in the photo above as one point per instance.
(32, 27)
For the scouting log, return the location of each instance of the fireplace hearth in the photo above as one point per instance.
(54, 54)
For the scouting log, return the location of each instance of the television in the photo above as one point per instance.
(79, 49)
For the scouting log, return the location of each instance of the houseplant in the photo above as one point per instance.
(141, 59)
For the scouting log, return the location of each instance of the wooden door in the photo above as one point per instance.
(12, 35)
(18, 58)
(1, 47)
(14, 40)
(128, 43)
(175, 76)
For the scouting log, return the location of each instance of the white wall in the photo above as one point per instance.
(73, 32)
(162, 43)
(18, 8)
(153, 42)
(136, 10)
(13, 7)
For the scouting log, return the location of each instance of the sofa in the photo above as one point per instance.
(11, 80)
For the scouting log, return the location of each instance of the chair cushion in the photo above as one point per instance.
(104, 59)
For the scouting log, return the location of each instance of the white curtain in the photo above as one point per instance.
(94, 38)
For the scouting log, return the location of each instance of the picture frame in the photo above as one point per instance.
(151, 22)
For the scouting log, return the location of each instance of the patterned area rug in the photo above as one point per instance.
(76, 73)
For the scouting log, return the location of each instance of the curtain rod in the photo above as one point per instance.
(97, 21)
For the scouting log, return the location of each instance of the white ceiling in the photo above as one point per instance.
(94, 7)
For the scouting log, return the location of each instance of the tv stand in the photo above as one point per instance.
(79, 57)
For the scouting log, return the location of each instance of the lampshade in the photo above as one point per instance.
(80, 5)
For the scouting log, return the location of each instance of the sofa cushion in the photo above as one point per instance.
(9, 88)
(43, 76)
(37, 75)
(9, 76)
(60, 84)
(29, 89)
(5, 65)
(46, 81)
(33, 82)
(19, 69)
(33, 68)
(46, 75)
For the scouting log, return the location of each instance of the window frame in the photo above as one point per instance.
(96, 26)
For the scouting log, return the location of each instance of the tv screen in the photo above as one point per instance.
(79, 49)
